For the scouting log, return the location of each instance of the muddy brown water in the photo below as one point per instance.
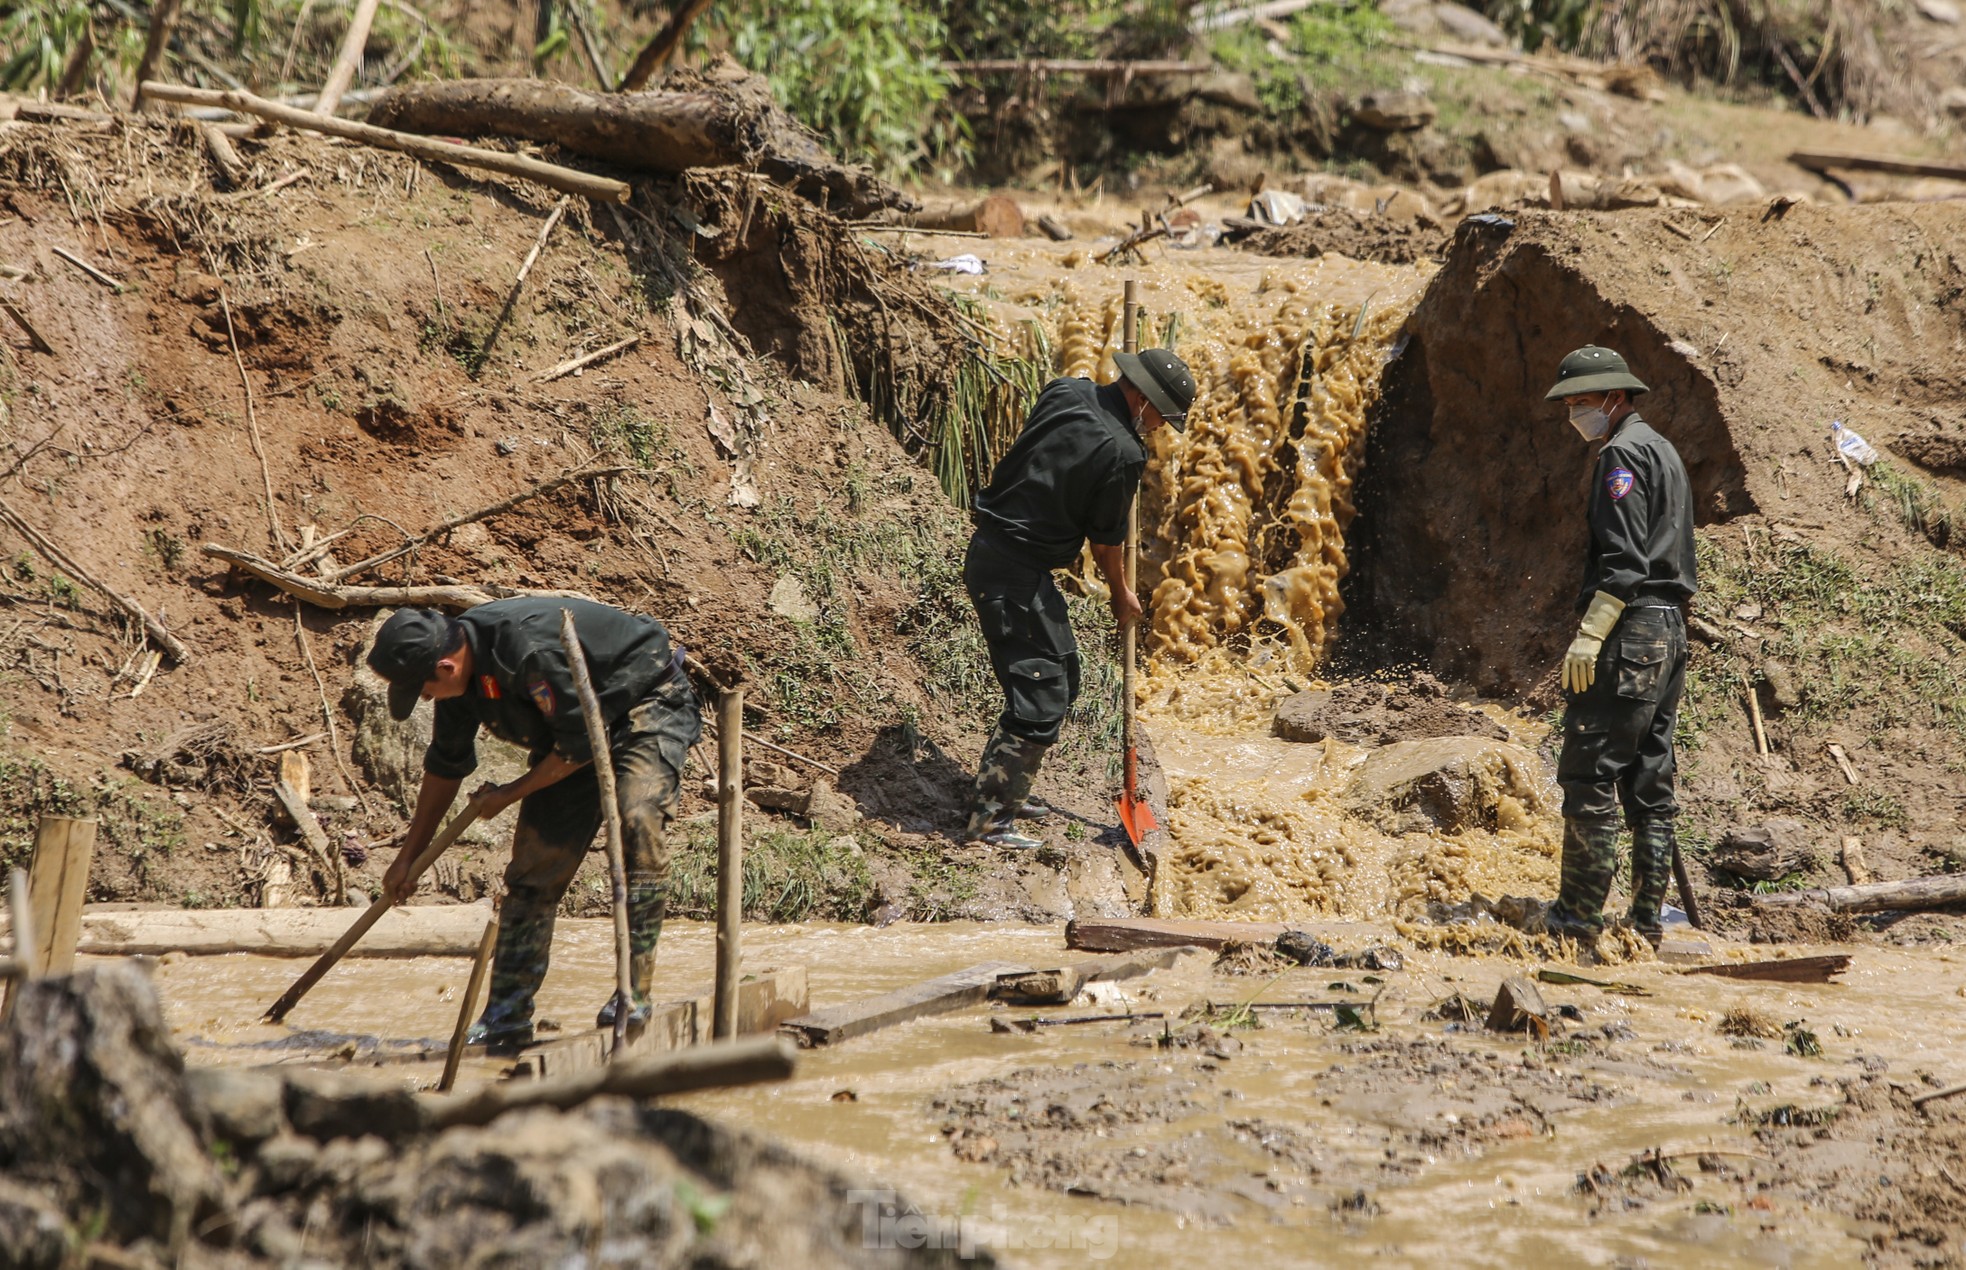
(1417, 1145)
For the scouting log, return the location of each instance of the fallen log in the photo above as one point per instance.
(748, 1062)
(428, 930)
(936, 996)
(551, 175)
(327, 596)
(997, 216)
(709, 126)
(1127, 934)
(1781, 970)
(1912, 894)
(1824, 161)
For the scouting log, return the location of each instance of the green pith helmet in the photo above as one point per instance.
(1163, 379)
(1593, 369)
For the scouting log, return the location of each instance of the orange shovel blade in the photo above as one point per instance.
(1136, 816)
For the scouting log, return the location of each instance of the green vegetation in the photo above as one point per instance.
(790, 875)
(135, 819)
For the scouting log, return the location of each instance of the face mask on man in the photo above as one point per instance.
(1590, 421)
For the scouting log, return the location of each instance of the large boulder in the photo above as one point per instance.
(1444, 785)
(1396, 111)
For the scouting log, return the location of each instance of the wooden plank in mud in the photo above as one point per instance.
(1782, 970)
(765, 999)
(1059, 986)
(1130, 934)
(967, 987)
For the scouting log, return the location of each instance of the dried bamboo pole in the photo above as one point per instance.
(597, 740)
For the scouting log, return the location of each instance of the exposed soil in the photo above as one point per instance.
(1360, 235)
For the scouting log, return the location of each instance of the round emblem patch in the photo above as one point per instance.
(1620, 482)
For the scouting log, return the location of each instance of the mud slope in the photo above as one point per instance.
(1755, 328)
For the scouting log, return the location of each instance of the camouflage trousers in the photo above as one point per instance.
(1590, 864)
(1029, 633)
(1003, 781)
(557, 827)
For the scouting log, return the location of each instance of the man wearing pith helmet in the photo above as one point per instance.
(1069, 479)
(1626, 668)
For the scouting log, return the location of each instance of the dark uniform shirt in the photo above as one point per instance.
(1641, 518)
(1070, 476)
(522, 689)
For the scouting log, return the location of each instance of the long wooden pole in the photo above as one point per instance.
(597, 740)
(746, 1062)
(551, 175)
(1937, 891)
(1129, 638)
(465, 1008)
(326, 962)
(163, 19)
(350, 60)
(730, 856)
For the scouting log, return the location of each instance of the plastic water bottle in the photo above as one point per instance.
(1850, 445)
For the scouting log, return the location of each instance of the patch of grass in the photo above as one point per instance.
(1915, 503)
(790, 875)
(131, 824)
(941, 884)
(1875, 806)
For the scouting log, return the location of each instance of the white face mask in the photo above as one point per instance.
(1590, 421)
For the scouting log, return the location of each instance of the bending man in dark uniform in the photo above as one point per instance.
(501, 665)
(1070, 478)
(1626, 668)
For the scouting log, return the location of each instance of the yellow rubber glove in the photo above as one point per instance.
(1580, 663)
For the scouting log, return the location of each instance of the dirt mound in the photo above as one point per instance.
(1344, 232)
(1754, 334)
(102, 1131)
(1368, 713)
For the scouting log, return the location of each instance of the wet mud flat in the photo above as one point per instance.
(1666, 1117)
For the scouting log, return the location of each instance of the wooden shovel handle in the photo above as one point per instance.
(438, 845)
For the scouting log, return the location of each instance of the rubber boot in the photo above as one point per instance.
(647, 903)
(1652, 847)
(518, 965)
(1003, 784)
(1590, 863)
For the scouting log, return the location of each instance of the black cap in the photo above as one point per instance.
(406, 652)
(1162, 379)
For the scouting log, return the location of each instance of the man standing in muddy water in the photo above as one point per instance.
(1626, 668)
(501, 665)
(1069, 479)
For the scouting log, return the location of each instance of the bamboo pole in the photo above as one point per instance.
(1130, 637)
(551, 175)
(730, 856)
(350, 60)
(163, 19)
(479, 964)
(597, 740)
(747, 1062)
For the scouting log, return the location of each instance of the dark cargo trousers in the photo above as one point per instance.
(1618, 754)
(556, 828)
(1036, 659)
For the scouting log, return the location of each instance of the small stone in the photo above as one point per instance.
(1518, 1007)
(788, 600)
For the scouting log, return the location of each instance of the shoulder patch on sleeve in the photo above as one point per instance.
(542, 696)
(1620, 481)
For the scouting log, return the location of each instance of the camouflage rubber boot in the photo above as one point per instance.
(1652, 844)
(1003, 782)
(518, 965)
(1590, 863)
(648, 901)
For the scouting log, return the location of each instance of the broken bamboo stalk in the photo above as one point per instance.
(350, 59)
(317, 841)
(476, 982)
(89, 269)
(1912, 894)
(1854, 865)
(326, 962)
(585, 360)
(747, 1062)
(546, 486)
(1823, 161)
(218, 148)
(1950, 1091)
(552, 175)
(163, 19)
(603, 760)
(730, 857)
(1843, 762)
(518, 284)
(1034, 1023)
(1754, 716)
(54, 555)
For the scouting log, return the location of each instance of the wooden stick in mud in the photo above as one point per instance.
(350, 59)
(1822, 162)
(486, 512)
(551, 175)
(326, 962)
(597, 740)
(88, 268)
(1685, 885)
(747, 1062)
(310, 833)
(518, 284)
(730, 857)
(57, 557)
(1754, 715)
(34, 339)
(1950, 1091)
(219, 148)
(465, 1008)
(573, 364)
